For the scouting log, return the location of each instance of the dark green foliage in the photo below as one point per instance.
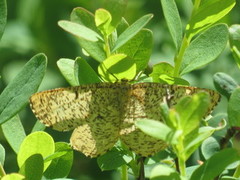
(116, 46)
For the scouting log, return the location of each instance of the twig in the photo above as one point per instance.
(141, 171)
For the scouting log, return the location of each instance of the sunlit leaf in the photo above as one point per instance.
(161, 68)
(33, 167)
(95, 49)
(2, 155)
(13, 176)
(164, 172)
(139, 48)
(79, 30)
(208, 14)
(66, 67)
(117, 67)
(36, 143)
(158, 130)
(131, 31)
(191, 110)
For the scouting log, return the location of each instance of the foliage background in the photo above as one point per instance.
(32, 28)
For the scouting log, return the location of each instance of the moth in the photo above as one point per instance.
(101, 114)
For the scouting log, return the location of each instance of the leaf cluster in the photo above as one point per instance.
(122, 52)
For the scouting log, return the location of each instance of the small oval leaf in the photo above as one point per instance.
(80, 31)
(205, 48)
(36, 143)
(234, 108)
(131, 31)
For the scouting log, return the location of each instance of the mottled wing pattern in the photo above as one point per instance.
(101, 113)
(144, 102)
(214, 96)
(62, 109)
(101, 131)
(92, 109)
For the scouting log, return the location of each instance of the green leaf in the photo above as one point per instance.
(234, 32)
(66, 67)
(209, 147)
(191, 110)
(131, 31)
(219, 119)
(3, 16)
(117, 67)
(16, 95)
(122, 26)
(234, 37)
(80, 31)
(173, 20)
(158, 130)
(36, 143)
(103, 19)
(236, 55)
(212, 167)
(2, 155)
(193, 140)
(84, 72)
(208, 14)
(205, 48)
(161, 68)
(234, 108)
(164, 172)
(38, 126)
(33, 167)
(224, 84)
(113, 159)
(144, 78)
(228, 178)
(13, 176)
(139, 48)
(117, 9)
(165, 79)
(85, 18)
(14, 132)
(62, 162)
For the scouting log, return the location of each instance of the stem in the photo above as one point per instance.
(107, 46)
(2, 172)
(182, 166)
(237, 172)
(181, 157)
(195, 6)
(186, 40)
(179, 57)
(141, 171)
(124, 172)
(224, 141)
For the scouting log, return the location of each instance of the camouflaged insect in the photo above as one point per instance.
(103, 113)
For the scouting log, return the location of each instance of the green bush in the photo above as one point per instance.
(118, 55)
